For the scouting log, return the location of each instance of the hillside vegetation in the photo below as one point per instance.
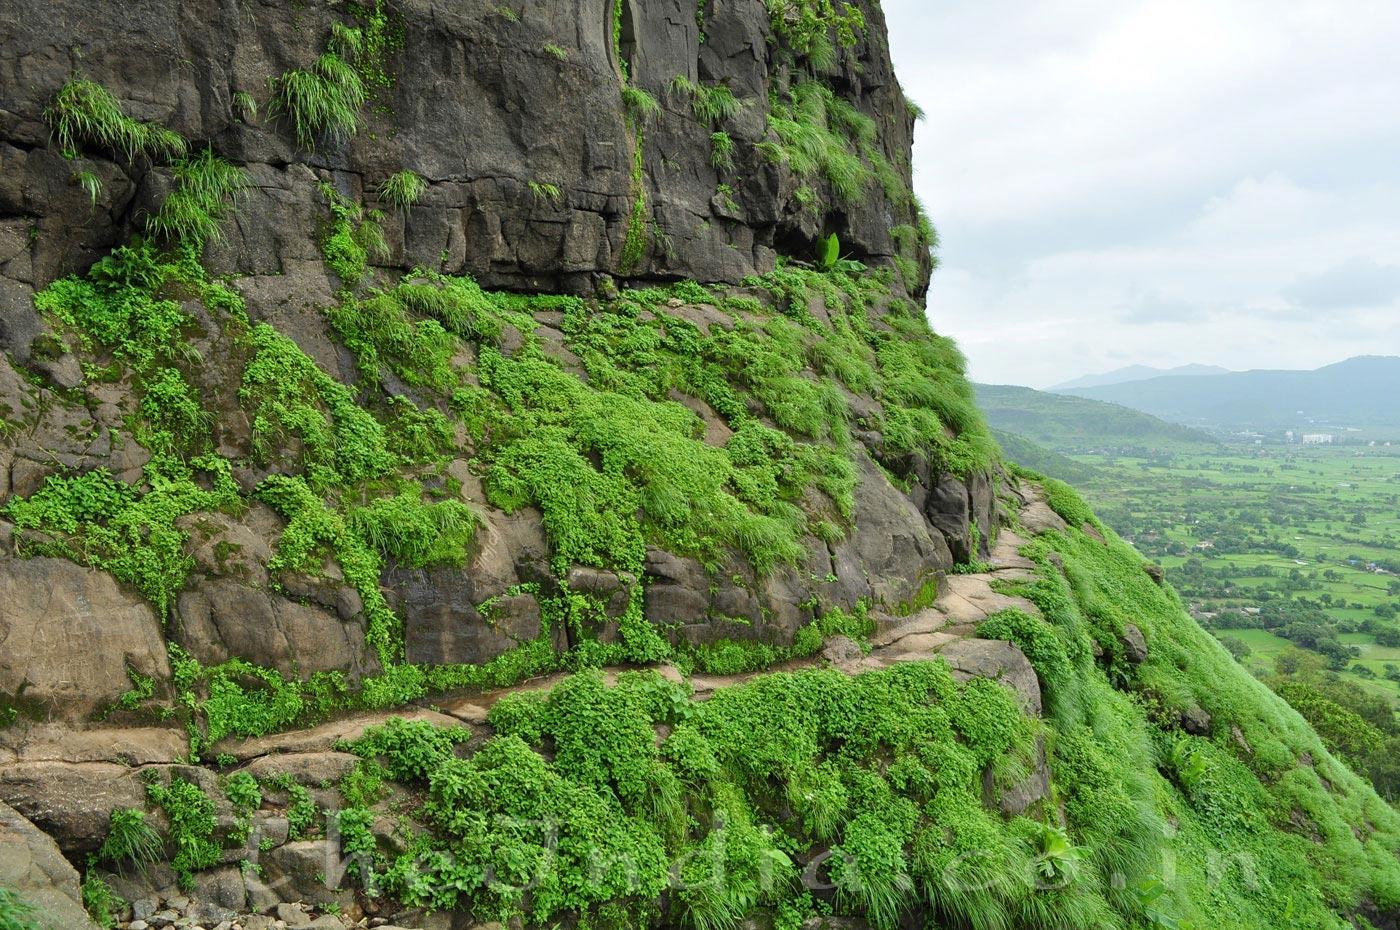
(1068, 424)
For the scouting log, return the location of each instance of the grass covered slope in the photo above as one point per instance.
(1183, 793)
(1065, 423)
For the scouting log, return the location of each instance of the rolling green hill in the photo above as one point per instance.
(1069, 424)
(1033, 455)
(1359, 392)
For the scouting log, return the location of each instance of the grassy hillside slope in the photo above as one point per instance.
(1065, 423)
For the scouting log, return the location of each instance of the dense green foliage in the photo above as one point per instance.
(1265, 823)
(744, 787)
(192, 825)
(15, 912)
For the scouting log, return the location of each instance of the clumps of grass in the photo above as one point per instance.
(508, 14)
(545, 191)
(91, 185)
(641, 106)
(206, 188)
(822, 135)
(554, 51)
(414, 533)
(323, 102)
(721, 151)
(131, 842)
(403, 189)
(245, 106)
(85, 113)
(712, 104)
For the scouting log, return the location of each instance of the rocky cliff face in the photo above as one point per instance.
(512, 115)
(533, 166)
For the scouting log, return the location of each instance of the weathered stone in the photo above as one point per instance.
(1000, 661)
(32, 866)
(222, 619)
(69, 634)
(1134, 643)
(1039, 518)
(1196, 720)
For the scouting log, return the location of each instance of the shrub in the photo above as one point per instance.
(103, 904)
(192, 825)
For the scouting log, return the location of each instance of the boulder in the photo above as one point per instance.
(1134, 643)
(33, 867)
(1001, 661)
(68, 635)
(222, 619)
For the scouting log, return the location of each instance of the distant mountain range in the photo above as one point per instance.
(1064, 423)
(1362, 392)
(1138, 373)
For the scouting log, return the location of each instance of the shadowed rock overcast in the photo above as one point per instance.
(1157, 182)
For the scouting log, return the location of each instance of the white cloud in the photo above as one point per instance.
(1157, 182)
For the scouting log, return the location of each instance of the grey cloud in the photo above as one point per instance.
(1357, 282)
(1154, 308)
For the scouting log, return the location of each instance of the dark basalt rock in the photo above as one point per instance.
(476, 109)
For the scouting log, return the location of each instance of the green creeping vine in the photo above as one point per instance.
(85, 113)
(637, 238)
(192, 827)
(746, 789)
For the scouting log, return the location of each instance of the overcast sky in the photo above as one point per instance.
(1212, 181)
